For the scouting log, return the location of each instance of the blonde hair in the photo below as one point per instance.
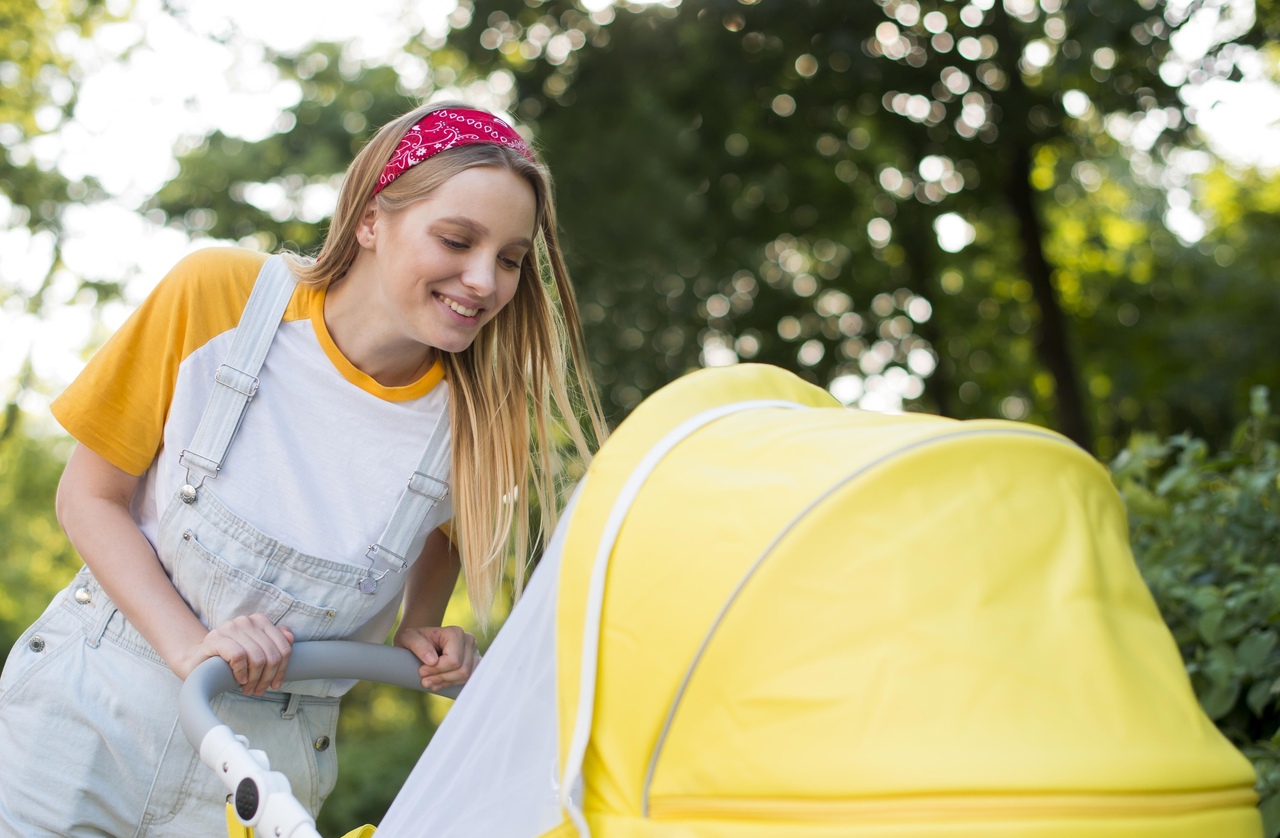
(521, 388)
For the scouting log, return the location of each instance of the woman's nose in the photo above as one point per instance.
(481, 275)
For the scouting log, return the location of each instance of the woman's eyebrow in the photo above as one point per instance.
(479, 230)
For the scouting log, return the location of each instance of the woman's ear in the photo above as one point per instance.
(365, 233)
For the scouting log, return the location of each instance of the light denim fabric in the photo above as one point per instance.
(88, 721)
(224, 567)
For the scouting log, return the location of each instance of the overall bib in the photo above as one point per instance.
(89, 738)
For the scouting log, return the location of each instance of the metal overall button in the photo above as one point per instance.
(36, 644)
(83, 596)
(322, 744)
(187, 493)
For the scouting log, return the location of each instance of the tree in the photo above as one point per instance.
(749, 137)
(39, 82)
(735, 186)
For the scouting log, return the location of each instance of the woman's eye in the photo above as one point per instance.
(509, 264)
(453, 244)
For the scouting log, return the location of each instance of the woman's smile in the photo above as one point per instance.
(457, 307)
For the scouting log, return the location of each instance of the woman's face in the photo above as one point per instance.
(447, 264)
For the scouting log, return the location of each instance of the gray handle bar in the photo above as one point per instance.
(308, 661)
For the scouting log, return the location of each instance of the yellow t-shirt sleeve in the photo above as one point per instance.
(118, 405)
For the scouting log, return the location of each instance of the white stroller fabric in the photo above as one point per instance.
(491, 769)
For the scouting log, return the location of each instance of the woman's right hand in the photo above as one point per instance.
(93, 503)
(257, 650)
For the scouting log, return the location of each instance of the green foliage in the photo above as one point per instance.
(212, 193)
(39, 83)
(382, 732)
(37, 70)
(719, 164)
(1206, 533)
(36, 560)
(755, 144)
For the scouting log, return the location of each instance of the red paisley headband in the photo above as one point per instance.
(447, 128)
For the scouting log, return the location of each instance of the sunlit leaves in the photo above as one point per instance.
(277, 191)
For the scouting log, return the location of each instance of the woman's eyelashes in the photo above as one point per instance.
(510, 263)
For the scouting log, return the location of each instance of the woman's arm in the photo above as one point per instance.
(93, 507)
(448, 654)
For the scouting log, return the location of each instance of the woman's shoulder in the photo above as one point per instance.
(212, 269)
(207, 288)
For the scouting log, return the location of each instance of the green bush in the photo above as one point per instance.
(1205, 529)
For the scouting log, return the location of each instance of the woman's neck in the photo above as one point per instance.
(353, 317)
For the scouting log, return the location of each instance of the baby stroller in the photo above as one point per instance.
(764, 614)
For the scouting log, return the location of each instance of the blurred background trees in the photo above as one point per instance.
(959, 208)
(984, 208)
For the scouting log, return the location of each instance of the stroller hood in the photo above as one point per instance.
(809, 620)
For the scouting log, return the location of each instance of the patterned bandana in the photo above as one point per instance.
(444, 129)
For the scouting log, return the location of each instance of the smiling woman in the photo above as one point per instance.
(435, 335)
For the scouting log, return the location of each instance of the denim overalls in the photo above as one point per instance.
(89, 740)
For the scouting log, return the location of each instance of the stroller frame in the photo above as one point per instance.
(262, 799)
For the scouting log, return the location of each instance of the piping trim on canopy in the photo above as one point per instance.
(571, 779)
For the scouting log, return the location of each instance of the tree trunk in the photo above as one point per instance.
(1051, 335)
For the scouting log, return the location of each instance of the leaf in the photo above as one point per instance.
(1210, 623)
(1220, 664)
(1259, 401)
(1259, 697)
(1142, 501)
(1181, 478)
(1205, 599)
(1253, 651)
(1270, 808)
(1220, 698)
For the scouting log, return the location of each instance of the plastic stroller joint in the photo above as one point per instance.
(263, 798)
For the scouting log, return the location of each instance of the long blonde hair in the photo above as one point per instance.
(519, 391)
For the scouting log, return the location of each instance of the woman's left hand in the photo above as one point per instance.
(448, 654)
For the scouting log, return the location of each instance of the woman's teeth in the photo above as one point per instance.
(459, 307)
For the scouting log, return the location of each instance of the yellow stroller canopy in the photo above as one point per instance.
(766, 614)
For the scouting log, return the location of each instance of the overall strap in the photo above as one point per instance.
(427, 486)
(236, 381)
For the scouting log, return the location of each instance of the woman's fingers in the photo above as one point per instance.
(256, 649)
(458, 658)
(421, 644)
(448, 654)
(284, 642)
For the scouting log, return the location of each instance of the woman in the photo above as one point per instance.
(240, 478)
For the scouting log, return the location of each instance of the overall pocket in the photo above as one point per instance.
(219, 588)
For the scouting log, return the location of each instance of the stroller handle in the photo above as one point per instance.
(262, 798)
(308, 661)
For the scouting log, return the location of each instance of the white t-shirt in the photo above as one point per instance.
(323, 452)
